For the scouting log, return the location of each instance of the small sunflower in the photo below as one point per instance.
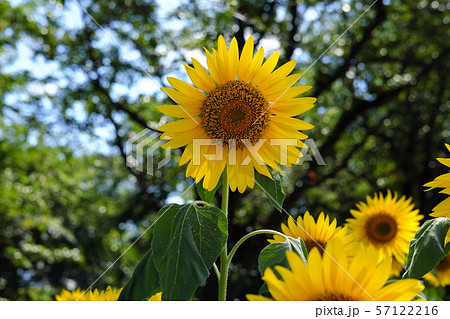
(442, 181)
(314, 234)
(67, 295)
(337, 277)
(109, 294)
(388, 223)
(156, 297)
(245, 109)
(441, 275)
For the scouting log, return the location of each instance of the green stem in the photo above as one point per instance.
(253, 233)
(223, 279)
(216, 270)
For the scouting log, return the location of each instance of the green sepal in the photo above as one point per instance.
(205, 194)
(275, 254)
(272, 189)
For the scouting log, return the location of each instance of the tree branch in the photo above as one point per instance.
(323, 82)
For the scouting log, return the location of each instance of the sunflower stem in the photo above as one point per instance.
(223, 279)
(216, 270)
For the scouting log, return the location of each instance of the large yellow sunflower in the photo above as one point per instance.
(315, 234)
(441, 277)
(239, 116)
(337, 277)
(442, 181)
(388, 223)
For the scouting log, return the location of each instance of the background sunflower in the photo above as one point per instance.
(441, 274)
(386, 222)
(315, 234)
(443, 181)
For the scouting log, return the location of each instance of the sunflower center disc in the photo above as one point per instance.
(235, 111)
(310, 244)
(334, 297)
(237, 117)
(381, 228)
(444, 264)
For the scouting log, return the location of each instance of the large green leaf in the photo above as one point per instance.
(275, 254)
(144, 282)
(186, 241)
(272, 189)
(427, 249)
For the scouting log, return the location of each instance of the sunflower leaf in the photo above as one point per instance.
(144, 282)
(186, 241)
(205, 194)
(427, 248)
(275, 254)
(272, 189)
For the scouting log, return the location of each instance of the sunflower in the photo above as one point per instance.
(442, 181)
(109, 294)
(314, 234)
(67, 295)
(337, 277)
(156, 297)
(441, 275)
(388, 223)
(239, 117)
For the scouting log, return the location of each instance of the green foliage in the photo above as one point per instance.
(144, 282)
(427, 248)
(187, 241)
(275, 254)
(206, 195)
(272, 189)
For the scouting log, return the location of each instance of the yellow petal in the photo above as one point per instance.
(199, 76)
(183, 99)
(293, 107)
(178, 126)
(254, 66)
(187, 89)
(179, 111)
(278, 75)
(290, 93)
(265, 69)
(279, 89)
(186, 138)
(246, 57)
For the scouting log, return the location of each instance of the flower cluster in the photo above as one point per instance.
(237, 122)
(353, 262)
